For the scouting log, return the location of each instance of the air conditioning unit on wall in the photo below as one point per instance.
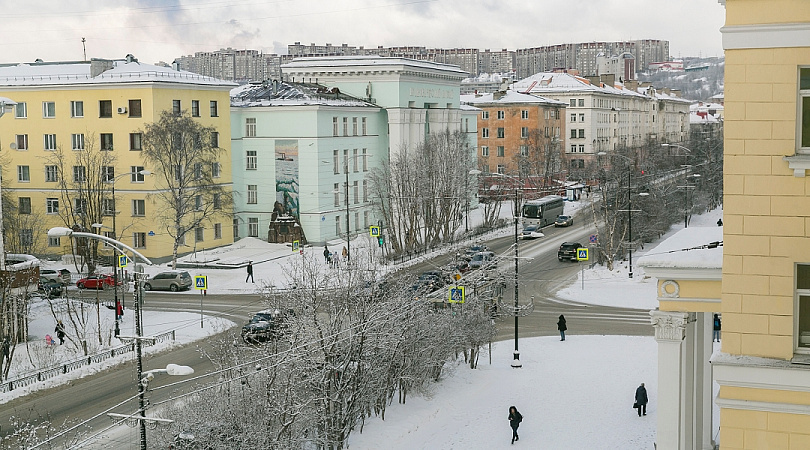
(122, 110)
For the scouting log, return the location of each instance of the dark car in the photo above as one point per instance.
(564, 221)
(568, 250)
(473, 249)
(61, 275)
(97, 282)
(265, 325)
(482, 259)
(172, 280)
(50, 288)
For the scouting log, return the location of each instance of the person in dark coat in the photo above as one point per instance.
(562, 327)
(716, 329)
(249, 272)
(641, 400)
(60, 332)
(514, 421)
(326, 254)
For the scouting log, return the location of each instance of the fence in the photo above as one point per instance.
(474, 234)
(44, 374)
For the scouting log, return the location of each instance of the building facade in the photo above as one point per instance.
(70, 108)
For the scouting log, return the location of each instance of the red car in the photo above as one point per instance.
(97, 282)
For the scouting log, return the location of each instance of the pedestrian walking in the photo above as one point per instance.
(514, 421)
(60, 332)
(119, 310)
(716, 329)
(641, 400)
(249, 272)
(345, 254)
(562, 327)
(326, 254)
(6, 350)
(720, 222)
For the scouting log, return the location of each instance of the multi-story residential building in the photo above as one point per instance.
(232, 64)
(519, 133)
(69, 107)
(495, 61)
(623, 66)
(582, 56)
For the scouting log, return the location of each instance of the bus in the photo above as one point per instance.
(543, 211)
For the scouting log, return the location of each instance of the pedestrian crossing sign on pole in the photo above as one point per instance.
(296, 245)
(201, 282)
(374, 231)
(582, 254)
(456, 294)
(122, 261)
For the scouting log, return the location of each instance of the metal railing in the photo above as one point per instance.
(67, 367)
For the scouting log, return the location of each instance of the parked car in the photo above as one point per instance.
(50, 288)
(98, 281)
(481, 259)
(265, 325)
(172, 280)
(568, 250)
(61, 275)
(564, 221)
(531, 232)
(473, 249)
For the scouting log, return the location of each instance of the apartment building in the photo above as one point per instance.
(233, 65)
(69, 108)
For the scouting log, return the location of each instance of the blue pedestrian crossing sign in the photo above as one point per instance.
(122, 261)
(296, 245)
(456, 294)
(582, 254)
(200, 282)
(374, 231)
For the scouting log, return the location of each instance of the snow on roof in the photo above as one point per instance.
(680, 252)
(80, 72)
(291, 94)
(510, 96)
(696, 117)
(368, 60)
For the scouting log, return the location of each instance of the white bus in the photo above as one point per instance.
(543, 211)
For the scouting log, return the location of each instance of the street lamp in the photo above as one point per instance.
(120, 246)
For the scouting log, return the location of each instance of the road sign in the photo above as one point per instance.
(582, 254)
(200, 282)
(122, 261)
(456, 294)
(296, 245)
(592, 238)
(374, 231)
(457, 276)
(151, 233)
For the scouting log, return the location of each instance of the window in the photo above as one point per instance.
(139, 240)
(573, 148)
(76, 109)
(50, 142)
(106, 141)
(198, 203)
(582, 117)
(27, 238)
(365, 190)
(214, 113)
(176, 110)
(79, 174)
(484, 150)
(803, 304)
(195, 108)
(253, 226)
(501, 169)
(139, 208)
(235, 229)
(22, 142)
(485, 168)
(500, 115)
(524, 114)
(23, 174)
(77, 141)
(573, 117)
(252, 194)
(135, 174)
(335, 162)
(215, 139)
(217, 231)
(573, 133)
(178, 172)
(354, 160)
(250, 127)
(251, 160)
(582, 133)
(546, 114)
(135, 144)
(108, 206)
(135, 108)
(80, 206)
(581, 148)
(105, 108)
(110, 235)
(573, 103)
(48, 110)
(363, 126)
(356, 220)
(217, 201)
(501, 133)
(198, 234)
(216, 170)
(365, 219)
(500, 150)
(365, 160)
(524, 132)
(356, 192)
(334, 126)
(354, 126)
(336, 192)
(25, 205)
(51, 174)
(198, 172)
(337, 225)
(108, 173)
(346, 161)
(485, 115)
(581, 103)
(524, 150)
(21, 110)
(345, 126)
(52, 205)
(54, 242)
(804, 121)
(484, 132)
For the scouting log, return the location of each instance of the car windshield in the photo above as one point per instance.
(262, 317)
(530, 228)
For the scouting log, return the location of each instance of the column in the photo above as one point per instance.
(670, 331)
(703, 382)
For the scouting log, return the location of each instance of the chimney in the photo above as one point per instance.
(176, 65)
(99, 66)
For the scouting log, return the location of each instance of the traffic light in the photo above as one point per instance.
(380, 240)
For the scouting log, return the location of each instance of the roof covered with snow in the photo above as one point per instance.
(687, 249)
(291, 94)
(507, 97)
(370, 61)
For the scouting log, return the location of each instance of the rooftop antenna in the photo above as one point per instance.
(84, 48)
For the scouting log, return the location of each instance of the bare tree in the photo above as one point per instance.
(185, 159)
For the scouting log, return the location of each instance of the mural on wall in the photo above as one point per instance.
(287, 175)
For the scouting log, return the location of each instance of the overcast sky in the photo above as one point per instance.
(161, 30)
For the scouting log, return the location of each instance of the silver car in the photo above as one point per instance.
(172, 281)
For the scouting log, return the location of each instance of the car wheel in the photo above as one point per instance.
(173, 288)
(147, 287)
(80, 285)
(559, 258)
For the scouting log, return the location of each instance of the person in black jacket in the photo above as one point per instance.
(641, 400)
(249, 272)
(514, 421)
(562, 327)
(716, 328)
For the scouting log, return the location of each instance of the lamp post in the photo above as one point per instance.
(120, 246)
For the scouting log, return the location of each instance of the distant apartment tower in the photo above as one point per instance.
(582, 56)
(232, 64)
(623, 66)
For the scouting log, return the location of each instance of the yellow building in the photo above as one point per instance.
(73, 108)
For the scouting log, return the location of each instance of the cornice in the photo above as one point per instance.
(737, 37)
